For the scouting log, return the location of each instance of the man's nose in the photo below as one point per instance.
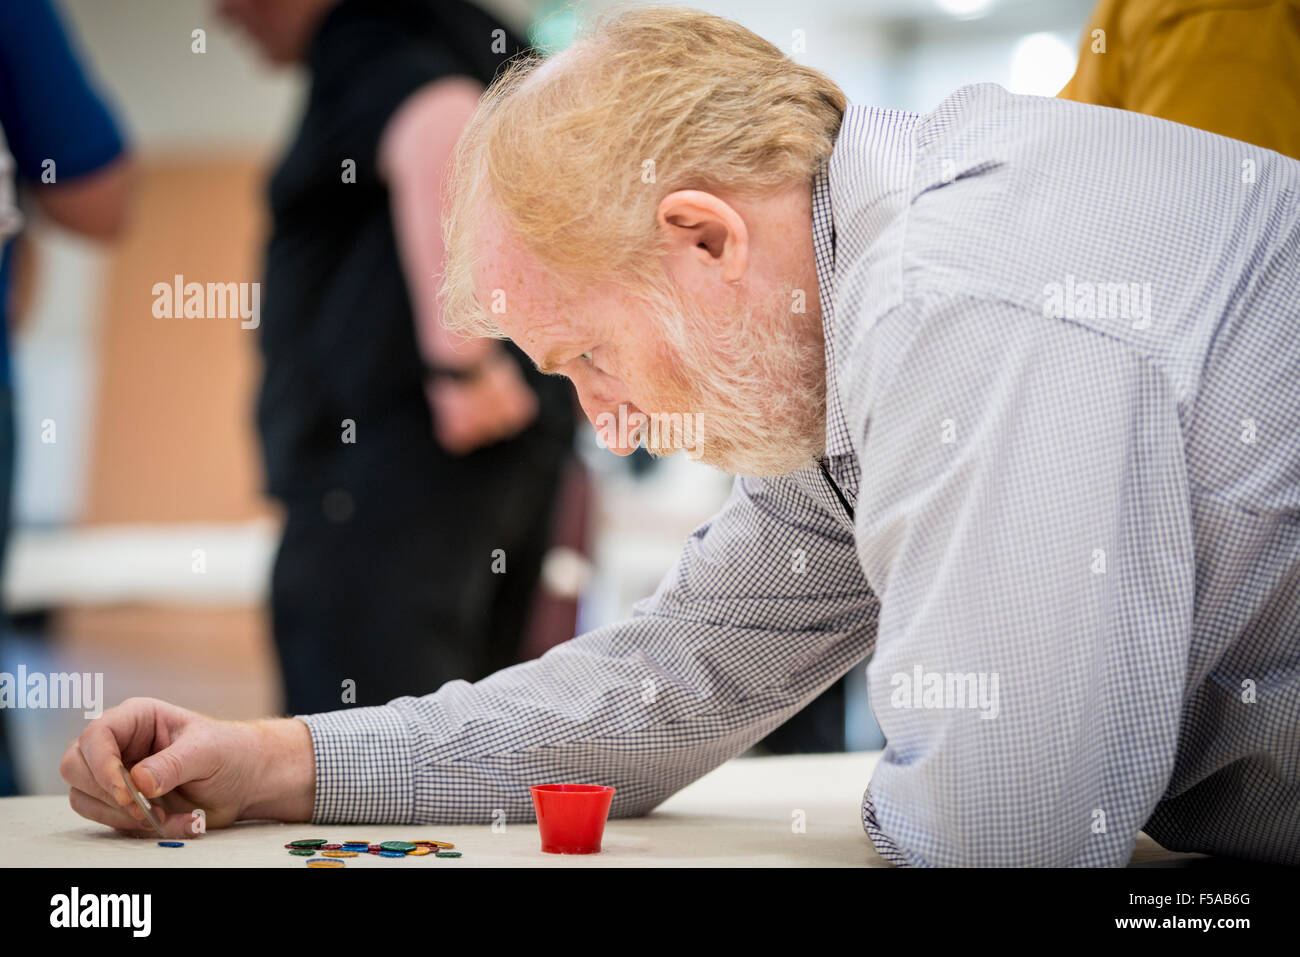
(617, 422)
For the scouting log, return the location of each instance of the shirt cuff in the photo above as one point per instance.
(363, 766)
(885, 847)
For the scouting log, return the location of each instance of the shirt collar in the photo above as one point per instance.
(863, 187)
(823, 230)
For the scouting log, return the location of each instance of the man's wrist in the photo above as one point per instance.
(284, 779)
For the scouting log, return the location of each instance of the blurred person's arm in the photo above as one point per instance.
(414, 151)
(67, 149)
(93, 205)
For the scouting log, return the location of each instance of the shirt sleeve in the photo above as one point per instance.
(48, 107)
(1024, 518)
(765, 609)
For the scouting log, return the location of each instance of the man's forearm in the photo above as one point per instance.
(646, 705)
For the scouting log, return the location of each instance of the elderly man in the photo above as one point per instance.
(1010, 392)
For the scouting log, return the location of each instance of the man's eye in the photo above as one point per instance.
(587, 356)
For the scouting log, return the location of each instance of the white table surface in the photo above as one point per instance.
(740, 815)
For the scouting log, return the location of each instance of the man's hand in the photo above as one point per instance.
(496, 404)
(182, 761)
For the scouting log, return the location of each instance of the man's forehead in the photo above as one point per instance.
(521, 294)
(503, 262)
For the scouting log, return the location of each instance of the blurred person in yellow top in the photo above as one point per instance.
(1231, 67)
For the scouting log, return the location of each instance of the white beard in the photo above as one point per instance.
(756, 381)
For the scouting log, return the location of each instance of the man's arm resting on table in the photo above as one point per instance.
(734, 642)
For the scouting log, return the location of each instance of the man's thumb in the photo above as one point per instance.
(165, 771)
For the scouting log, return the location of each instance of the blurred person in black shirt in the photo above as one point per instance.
(418, 470)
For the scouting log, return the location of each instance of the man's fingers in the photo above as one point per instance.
(77, 773)
(119, 733)
(96, 810)
(99, 748)
(174, 826)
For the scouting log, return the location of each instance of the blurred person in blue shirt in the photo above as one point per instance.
(60, 148)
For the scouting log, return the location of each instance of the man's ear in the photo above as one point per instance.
(703, 232)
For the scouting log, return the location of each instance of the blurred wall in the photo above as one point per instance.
(173, 438)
